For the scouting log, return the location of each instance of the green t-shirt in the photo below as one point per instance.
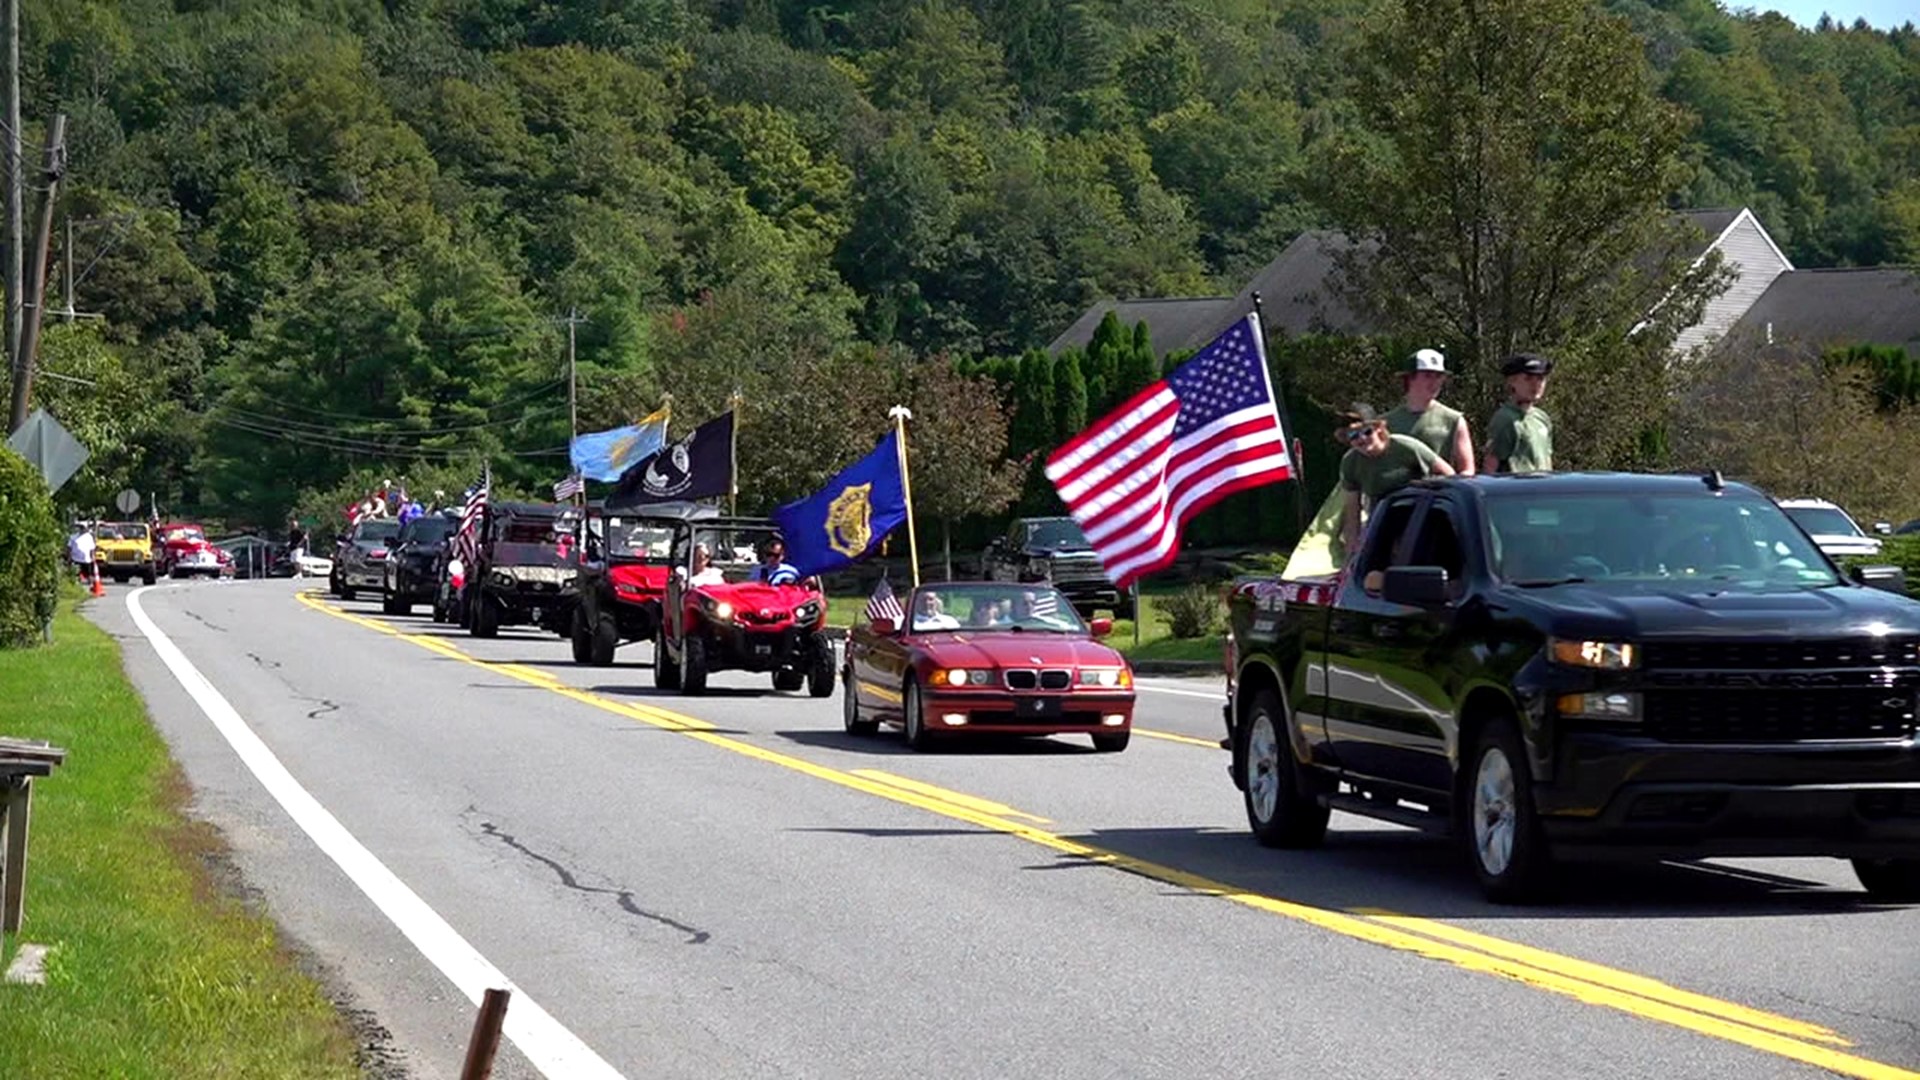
(1405, 460)
(1433, 426)
(1521, 441)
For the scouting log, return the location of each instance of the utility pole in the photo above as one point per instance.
(16, 212)
(56, 165)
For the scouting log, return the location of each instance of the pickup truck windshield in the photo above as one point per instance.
(1063, 533)
(1651, 539)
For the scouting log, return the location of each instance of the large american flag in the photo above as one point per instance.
(884, 605)
(466, 542)
(1207, 430)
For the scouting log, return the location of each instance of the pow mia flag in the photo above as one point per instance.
(698, 466)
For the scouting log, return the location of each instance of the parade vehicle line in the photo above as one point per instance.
(554, 1050)
(1595, 984)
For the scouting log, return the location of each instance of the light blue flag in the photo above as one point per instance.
(604, 455)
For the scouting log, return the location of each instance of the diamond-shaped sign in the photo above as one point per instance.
(51, 448)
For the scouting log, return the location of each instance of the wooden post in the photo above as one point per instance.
(36, 284)
(13, 891)
(485, 1042)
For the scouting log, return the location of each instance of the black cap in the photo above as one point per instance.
(1527, 364)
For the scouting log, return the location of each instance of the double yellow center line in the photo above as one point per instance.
(1595, 984)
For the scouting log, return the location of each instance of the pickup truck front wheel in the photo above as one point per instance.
(1502, 831)
(1278, 812)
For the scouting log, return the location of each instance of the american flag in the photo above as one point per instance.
(466, 542)
(568, 488)
(1046, 602)
(1207, 430)
(884, 605)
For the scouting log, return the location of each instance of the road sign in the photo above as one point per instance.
(52, 450)
(128, 500)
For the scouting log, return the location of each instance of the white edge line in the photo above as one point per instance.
(552, 1049)
(1219, 695)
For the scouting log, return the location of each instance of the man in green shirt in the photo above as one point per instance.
(1520, 436)
(1442, 428)
(1377, 464)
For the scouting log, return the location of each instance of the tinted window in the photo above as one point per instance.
(1664, 539)
(429, 530)
(1062, 533)
(378, 529)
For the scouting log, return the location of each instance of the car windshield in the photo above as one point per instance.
(1660, 540)
(185, 532)
(653, 543)
(1056, 533)
(379, 529)
(431, 530)
(529, 530)
(1823, 521)
(988, 606)
(733, 550)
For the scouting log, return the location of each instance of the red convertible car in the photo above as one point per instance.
(990, 658)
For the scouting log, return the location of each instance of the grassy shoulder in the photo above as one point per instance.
(1156, 635)
(153, 972)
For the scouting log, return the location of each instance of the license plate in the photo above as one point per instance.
(763, 650)
(1037, 706)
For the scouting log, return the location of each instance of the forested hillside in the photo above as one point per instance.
(341, 234)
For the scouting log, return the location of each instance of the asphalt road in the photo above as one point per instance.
(730, 886)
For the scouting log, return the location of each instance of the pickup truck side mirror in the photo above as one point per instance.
(1884, 528)
(1415, 586)
(883, 627)
(1890, 578)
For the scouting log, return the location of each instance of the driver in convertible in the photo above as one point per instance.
(929, 614)
(773, 568)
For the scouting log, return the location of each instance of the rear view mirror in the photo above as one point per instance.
(1415, 586)
(1101, 627)
(883, 627)
(1889, 578)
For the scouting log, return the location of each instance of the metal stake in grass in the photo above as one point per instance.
(485, 1042)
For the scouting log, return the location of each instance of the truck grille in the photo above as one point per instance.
(1781, 715)
(1782, 655)
(1076, 568)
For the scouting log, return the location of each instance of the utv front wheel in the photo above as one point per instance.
(1280, 814)
(820, 674)
(666, 671)
(582, 641)
(693, 666)
(606, 638)
(486, 617)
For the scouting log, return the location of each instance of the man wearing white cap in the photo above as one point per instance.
(1441, 428)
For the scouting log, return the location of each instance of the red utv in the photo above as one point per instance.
(623, 578)
(717, 618)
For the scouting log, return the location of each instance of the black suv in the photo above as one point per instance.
(415, 555)
(1586, 664)
(522, 576)
(360, 556)
(1054, 550)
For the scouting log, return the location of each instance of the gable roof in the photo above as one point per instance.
(1853, 306)
(1172, 323)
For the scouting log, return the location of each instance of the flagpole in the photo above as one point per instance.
(1296, 452)
(733, 453)
(901, 414)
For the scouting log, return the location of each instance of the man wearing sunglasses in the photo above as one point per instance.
(1378, 463)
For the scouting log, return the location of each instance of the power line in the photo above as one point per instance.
(370, 435)
(364, 418)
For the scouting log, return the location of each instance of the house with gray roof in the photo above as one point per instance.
(1827, 307)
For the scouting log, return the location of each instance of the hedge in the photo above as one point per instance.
(30, 553)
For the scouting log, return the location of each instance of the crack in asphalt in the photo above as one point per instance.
(1858, 1014)
(263, 661)
(203, 620)
(623, 897)
(326, 705)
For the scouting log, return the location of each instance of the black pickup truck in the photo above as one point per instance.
(1598, 665)
(1054, 550)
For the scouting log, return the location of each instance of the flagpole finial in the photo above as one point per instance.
(900, 412)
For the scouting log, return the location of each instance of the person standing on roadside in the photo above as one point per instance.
(1520, 436)
(80, 548)
(1421, 416)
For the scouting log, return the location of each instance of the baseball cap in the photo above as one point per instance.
(1426, 360)
(1527, 364)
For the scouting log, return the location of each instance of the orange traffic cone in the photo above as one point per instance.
(98, 588)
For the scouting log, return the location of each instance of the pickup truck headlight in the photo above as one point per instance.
(1605, 655)
(1617, 705)
(1107, 678)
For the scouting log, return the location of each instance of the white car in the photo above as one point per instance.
(1831, 528)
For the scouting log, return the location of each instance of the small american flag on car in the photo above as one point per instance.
(884, 605)
(1046, 602)
(568, 488)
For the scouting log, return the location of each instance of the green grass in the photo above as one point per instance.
(153, 973)
(1156, 639)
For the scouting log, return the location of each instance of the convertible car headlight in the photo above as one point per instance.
(1109, 678)
(961, 677)
(1605, 655)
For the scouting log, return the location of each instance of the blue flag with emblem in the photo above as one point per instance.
(841, 523)
(604, 455)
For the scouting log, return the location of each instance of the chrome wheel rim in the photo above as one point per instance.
(1494, 817)
(1263, 768)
